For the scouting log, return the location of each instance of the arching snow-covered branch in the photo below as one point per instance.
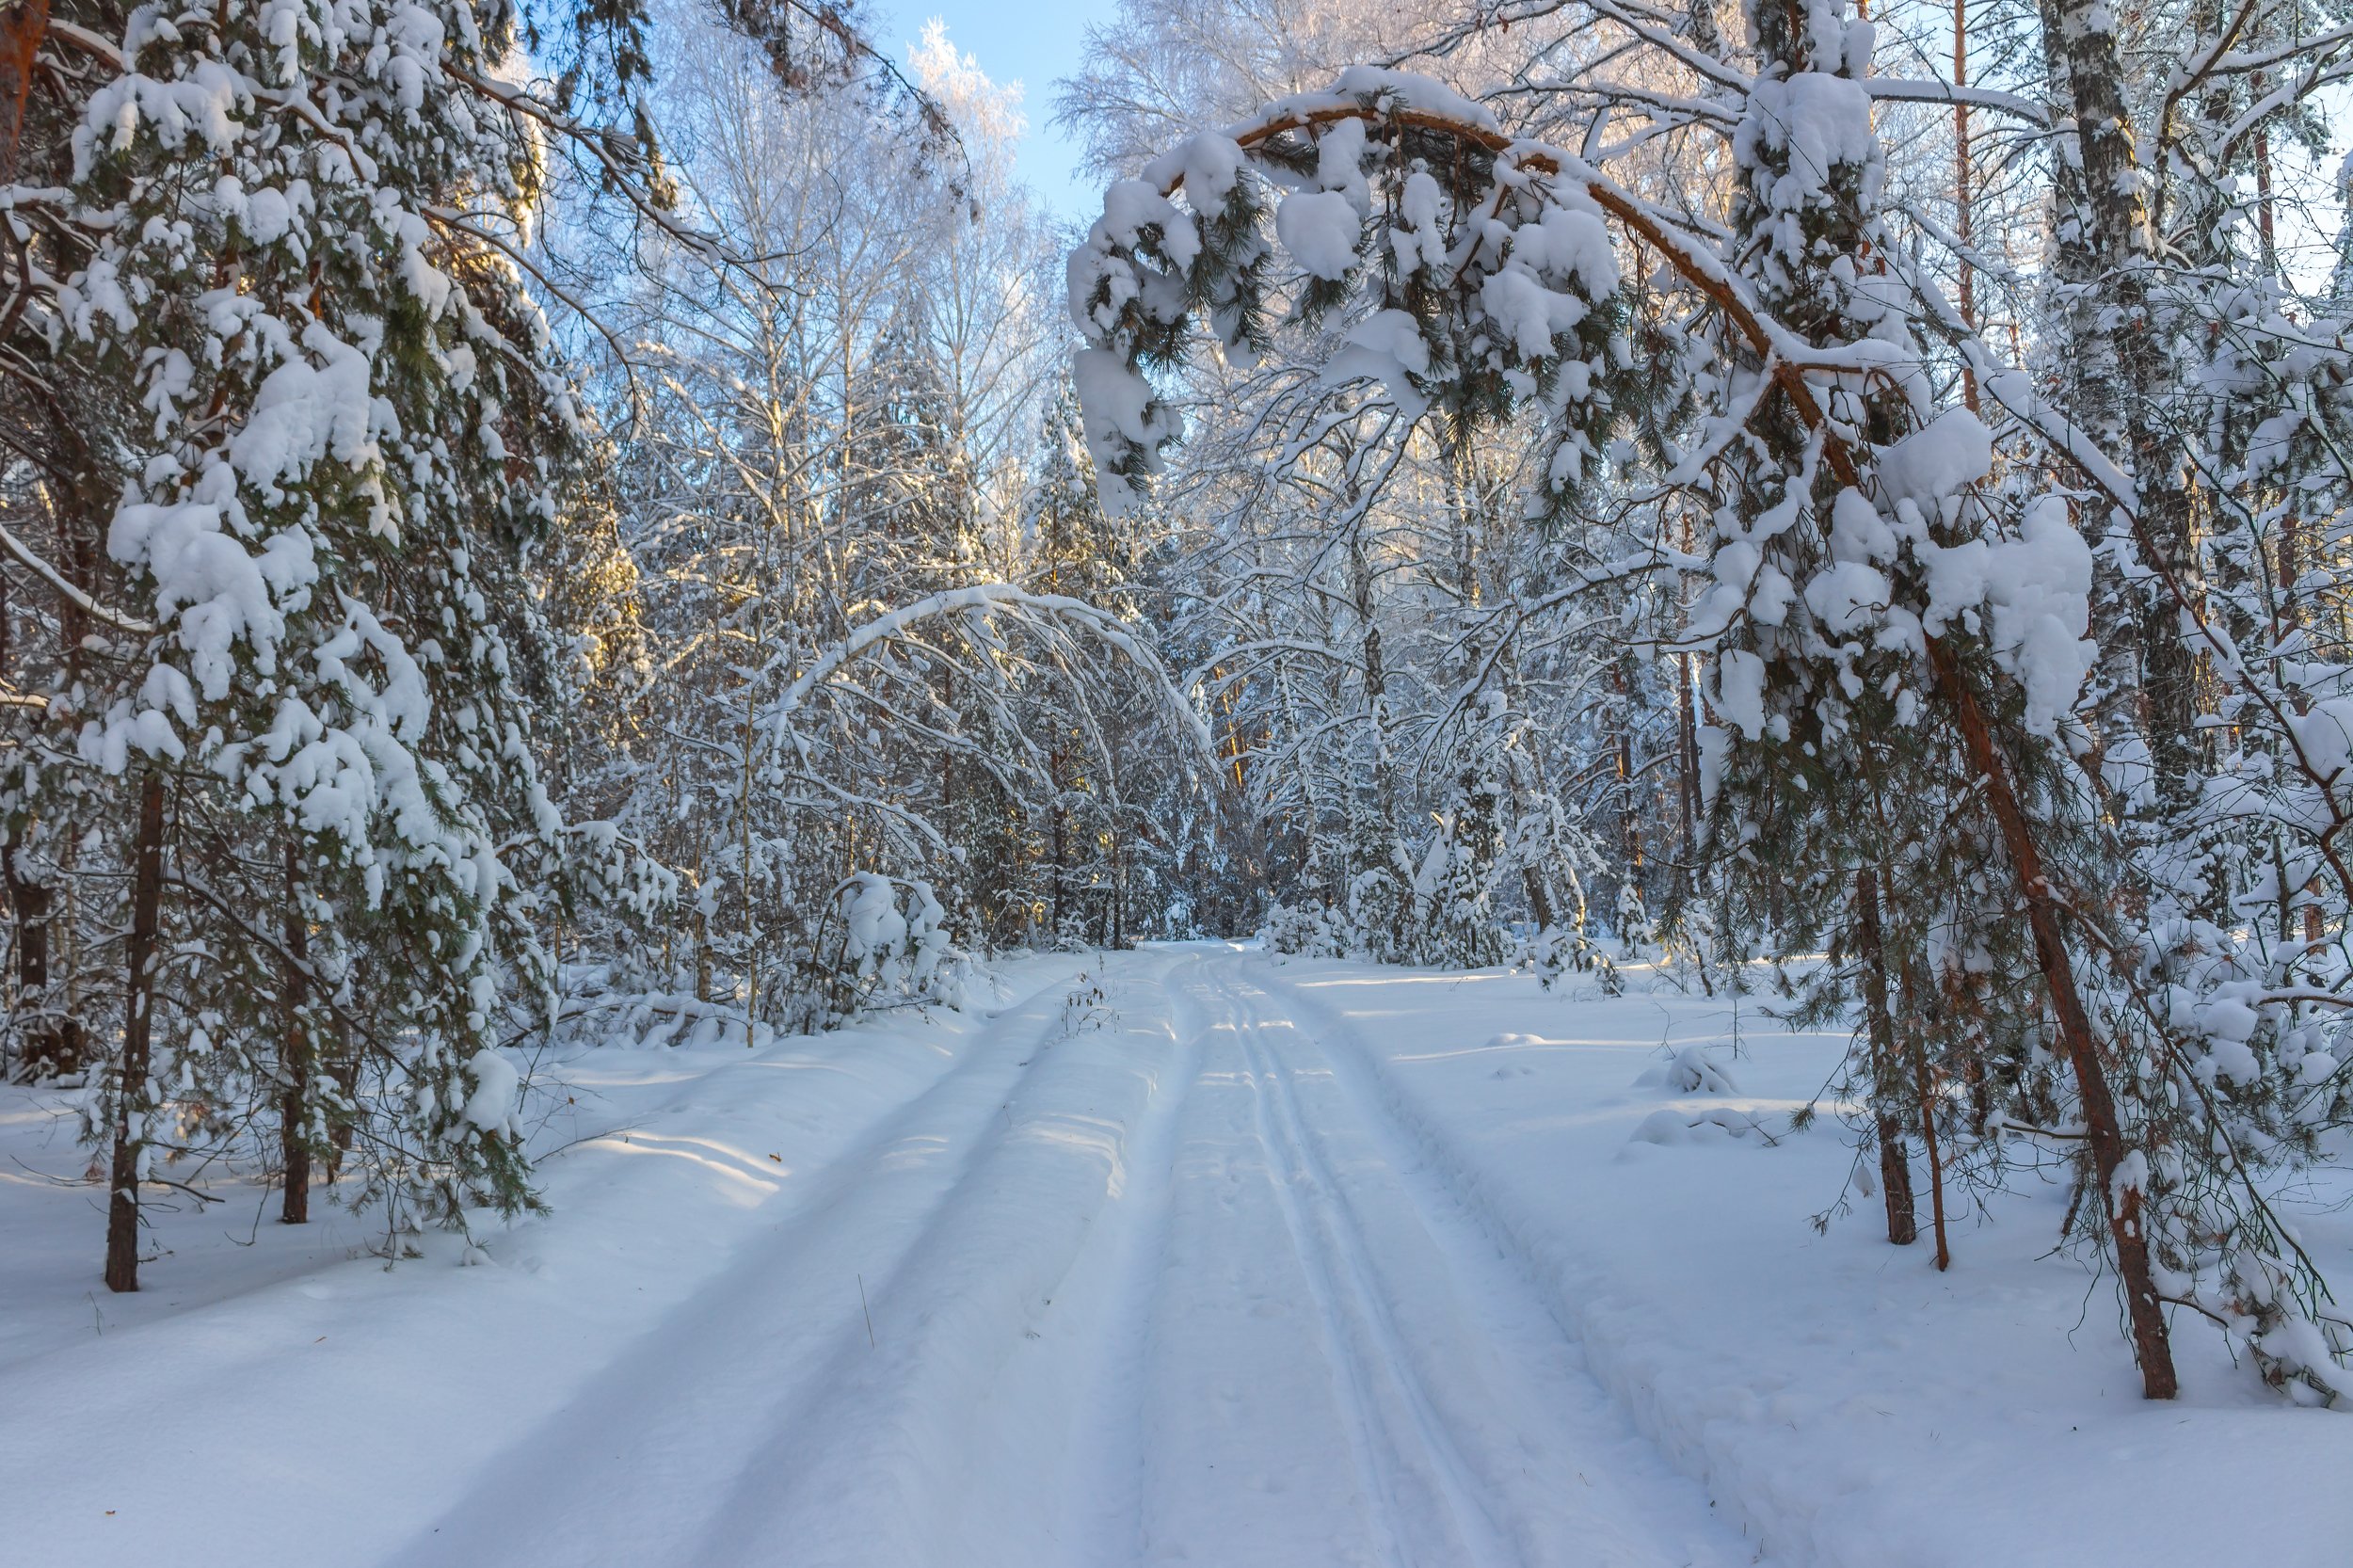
(1052, 613)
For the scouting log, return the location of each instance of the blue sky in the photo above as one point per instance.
(1032, 43)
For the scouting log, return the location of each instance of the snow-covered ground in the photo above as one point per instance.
(1243, 1263)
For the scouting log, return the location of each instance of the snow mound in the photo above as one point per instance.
(1694, 1071)
(1714, 1124)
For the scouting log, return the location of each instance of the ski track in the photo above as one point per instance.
(1184, 1288)
(1489, 1420)
(1521, 1360)
(1367, 1358)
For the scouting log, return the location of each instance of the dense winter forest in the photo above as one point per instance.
(538, 523)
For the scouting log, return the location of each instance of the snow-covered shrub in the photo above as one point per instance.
(1453, 921)
(1632, 920)
(1554, 954)
(895, 948)
(1715, 1125)
(1310, 930)
(1380, 916)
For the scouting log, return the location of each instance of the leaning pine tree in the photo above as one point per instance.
(1896, 633)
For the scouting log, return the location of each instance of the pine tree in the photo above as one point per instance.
(352, 439)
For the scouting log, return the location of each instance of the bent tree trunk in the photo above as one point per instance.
(133, 1103)
(2089, 54)
(2103, 1131)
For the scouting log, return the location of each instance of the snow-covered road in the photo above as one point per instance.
(1180, 1256)
(1331, 1360)
(1146, 1288)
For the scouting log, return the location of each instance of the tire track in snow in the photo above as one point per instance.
(669, 1417)
(878, 1463)
(1240, 1289)
(1104, 1494)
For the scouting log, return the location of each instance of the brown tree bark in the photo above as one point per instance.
(293, 1052)
(1923, 1080)
(22, 26)
(132, 1109)
(2102, 1129)
(1903, 1224)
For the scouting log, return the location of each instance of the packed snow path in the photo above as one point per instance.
(1184, 1256)
(1324, 1359)
(1157, 1285)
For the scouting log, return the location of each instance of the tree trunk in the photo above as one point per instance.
(1629, 821)
(1539, 897)
(2090, 389)
(131, 1104)
(1964, 281)
(53, 1043)
(1903, 1224)
(22, 26)
(2267, 230)
(1686, 767)
(1062, 841)
(2103, 1132)
(2119, 243)
(751, 910)
(1120, 892)
(294, 1053)
(1923, 1080)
